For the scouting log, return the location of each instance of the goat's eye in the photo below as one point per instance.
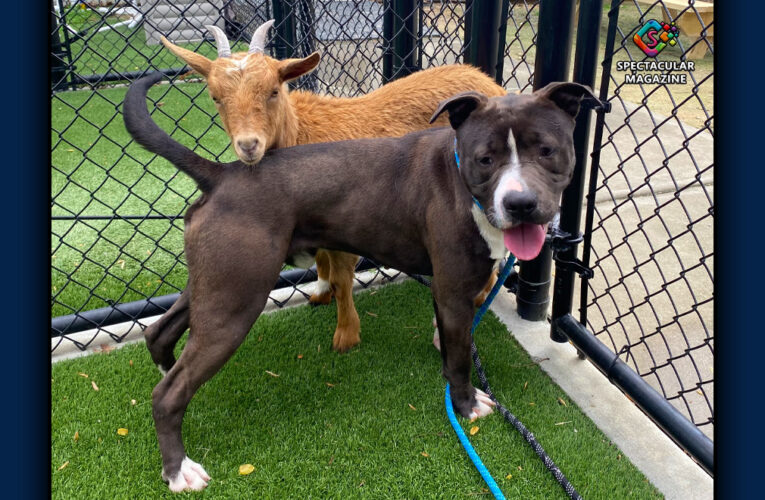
(486, 161)
(547, 151)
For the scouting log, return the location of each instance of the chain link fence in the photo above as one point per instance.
(650, 237)
(116, 210)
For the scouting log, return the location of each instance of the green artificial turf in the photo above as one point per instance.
(366, 424)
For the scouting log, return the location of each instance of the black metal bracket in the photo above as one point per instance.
(596, 104)
(561, 241)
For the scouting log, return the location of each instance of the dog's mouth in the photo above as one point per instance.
(525, 240)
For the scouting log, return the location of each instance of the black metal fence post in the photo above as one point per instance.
(285, 28)
(585, 67)
(387, 56)
(551, 65)
(404, 38)
(483, 49)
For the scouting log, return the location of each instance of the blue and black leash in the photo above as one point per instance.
(527, 435)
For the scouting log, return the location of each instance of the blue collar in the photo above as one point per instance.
(457, 159)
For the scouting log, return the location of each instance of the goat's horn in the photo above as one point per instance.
(258, 43)
(221, 41)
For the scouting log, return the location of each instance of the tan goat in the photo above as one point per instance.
(259, 113)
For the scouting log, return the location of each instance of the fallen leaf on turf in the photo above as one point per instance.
(525, 385)
(619, 456)
(329, 385)
(560, 401)
(509, 476)
(563, 423)
(474, 430)
(372, 314)
(130, 362)
(300, 356)
(133, 402)
(85, 375)
(76, 436)
(122, 431)
(412, 407)
(520, 468)
(272, 373)
(532, 404)
(245, 469)
(95, 387)
(424, 454)
(64, 465)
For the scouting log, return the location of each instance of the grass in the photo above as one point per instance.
(330, 425)
(98, 171)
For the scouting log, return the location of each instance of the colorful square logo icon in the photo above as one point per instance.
(654, 36)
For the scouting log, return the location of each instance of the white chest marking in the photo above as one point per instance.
(491, 235)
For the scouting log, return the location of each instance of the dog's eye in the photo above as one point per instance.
(546, 151)
(486, 161)
(274, 93)
(216, 100)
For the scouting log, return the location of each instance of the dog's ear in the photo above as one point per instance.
(566, 95)
(460, 106)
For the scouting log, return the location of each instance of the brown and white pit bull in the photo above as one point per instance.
(401, 201)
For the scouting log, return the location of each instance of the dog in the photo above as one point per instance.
(446, 202)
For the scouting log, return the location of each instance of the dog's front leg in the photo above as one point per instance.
(454, 315)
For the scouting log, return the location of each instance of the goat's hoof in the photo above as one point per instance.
(345, 339)
(320, 299)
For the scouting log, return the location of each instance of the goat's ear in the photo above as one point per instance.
(199, 63)
(294, 68)
(460, 106)
(566, 95)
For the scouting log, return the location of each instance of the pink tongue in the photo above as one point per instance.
(525, 240)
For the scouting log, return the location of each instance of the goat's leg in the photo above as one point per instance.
(343, 266)
(323, 294)
(162, 335)
(481, 297)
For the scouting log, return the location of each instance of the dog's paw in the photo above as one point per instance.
(191, 477)
(484, 405)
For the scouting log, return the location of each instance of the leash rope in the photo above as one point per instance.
(512, 419)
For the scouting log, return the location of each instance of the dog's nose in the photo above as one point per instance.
(248, 144)
(519, 203)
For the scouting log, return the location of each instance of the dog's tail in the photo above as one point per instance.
(148, 134)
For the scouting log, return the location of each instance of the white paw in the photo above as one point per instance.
(161, 370)
(436, 336)
(191, 477)
(485, 406)
(322, 287)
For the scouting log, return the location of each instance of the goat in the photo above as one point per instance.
(259, 113)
